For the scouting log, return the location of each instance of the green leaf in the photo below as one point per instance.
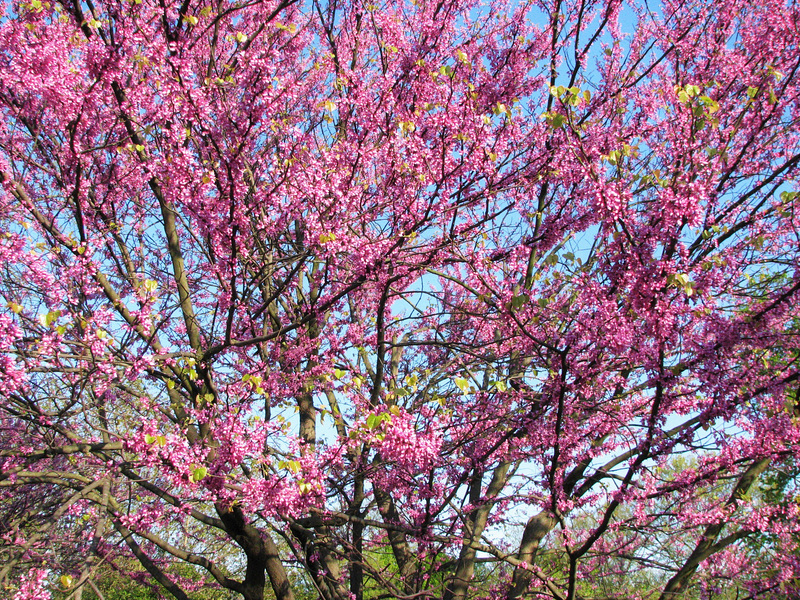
(48, 319)
(711, 105)
(518, 302)
(373, 421)
(773, 99)
(199, 473)
(692, 90)
(500, 109)
(462, 384)
(327, 237)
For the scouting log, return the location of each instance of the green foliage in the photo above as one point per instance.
(115, 584)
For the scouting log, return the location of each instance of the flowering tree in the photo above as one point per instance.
(401, 300)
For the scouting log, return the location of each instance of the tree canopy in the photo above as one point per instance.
(409, 299)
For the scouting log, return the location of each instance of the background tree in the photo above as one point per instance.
(319, 298)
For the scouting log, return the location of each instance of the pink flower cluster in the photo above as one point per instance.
(405, 446)
(12, 374)
(34, 587)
